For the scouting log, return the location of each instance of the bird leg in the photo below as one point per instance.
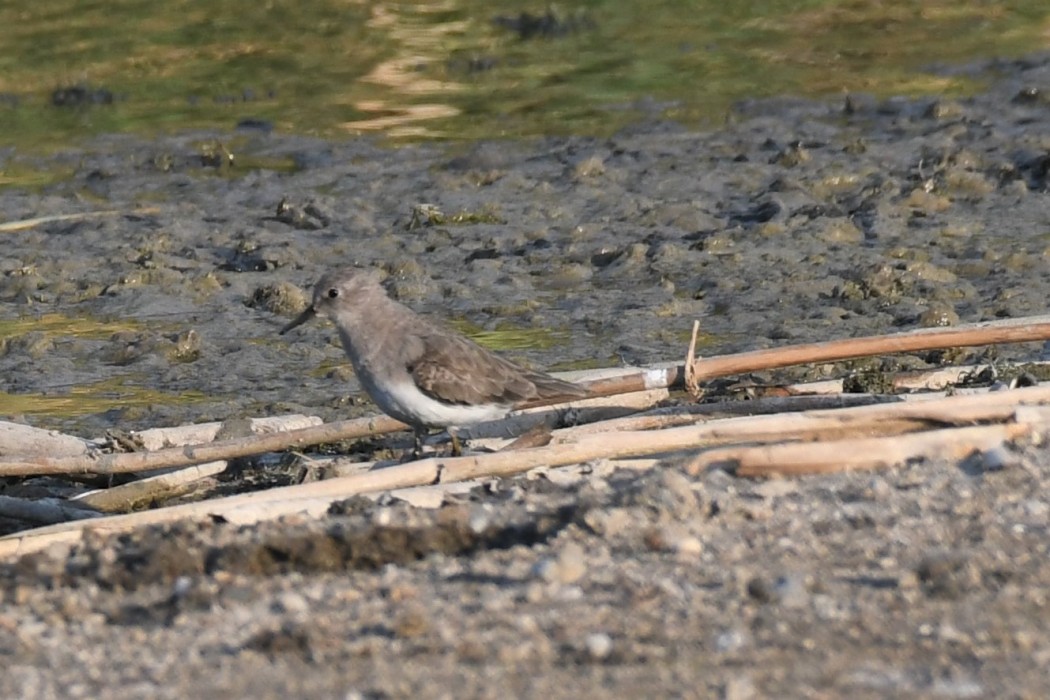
(457, 445)
(420, 433)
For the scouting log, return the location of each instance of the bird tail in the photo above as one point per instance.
(550, 389)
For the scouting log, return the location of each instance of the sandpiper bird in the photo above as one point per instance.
(417, 371)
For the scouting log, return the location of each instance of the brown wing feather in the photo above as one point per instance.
(551, 388)
(456, 370)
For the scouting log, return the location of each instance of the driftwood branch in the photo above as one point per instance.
(19, 439)
(834, 456)
(142, 493)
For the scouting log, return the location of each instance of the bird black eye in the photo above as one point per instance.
(333, 293)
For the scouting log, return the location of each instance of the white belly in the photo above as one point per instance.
(408, 404)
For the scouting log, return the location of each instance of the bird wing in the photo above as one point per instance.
(456, 370)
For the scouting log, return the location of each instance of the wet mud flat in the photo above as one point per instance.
(796, 221)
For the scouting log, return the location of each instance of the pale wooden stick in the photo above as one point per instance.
(823, 387)
(799, 459)
(692, 381)
(198, 433)
(11, 226)
(19, 439)
(688, 414)
(143, 492)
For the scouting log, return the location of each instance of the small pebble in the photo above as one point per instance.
(732, 640)
(677, 540)
(775, 488)
(568, 566)
(599, 645)
(742, 688)
(291, 603)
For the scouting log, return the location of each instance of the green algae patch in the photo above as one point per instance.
(116, 393)
(60, 325)
(512, 338)
(20, 174)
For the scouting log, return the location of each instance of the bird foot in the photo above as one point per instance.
(418, 448)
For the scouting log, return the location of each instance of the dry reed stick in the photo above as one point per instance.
(692, 379)
(12, 226)
(1015, 330)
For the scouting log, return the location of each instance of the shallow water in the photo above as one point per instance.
(468, 69)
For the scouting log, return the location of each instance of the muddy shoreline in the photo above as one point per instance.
(800, 221)
(797, 221)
